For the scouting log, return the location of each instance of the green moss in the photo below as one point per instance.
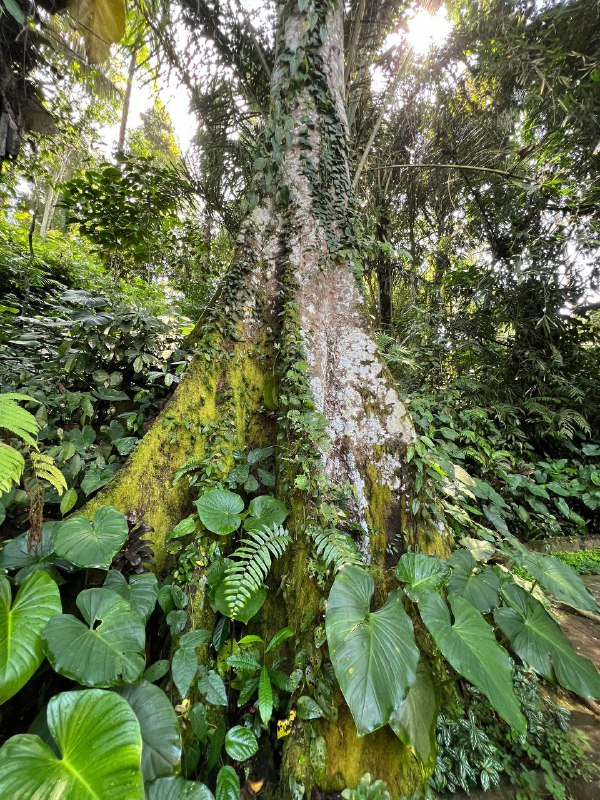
(382, 513)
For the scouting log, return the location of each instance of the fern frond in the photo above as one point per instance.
(252, 562)
(45, 469)
(191, 465)
(334, 547)
(17, 420)
(12, 464)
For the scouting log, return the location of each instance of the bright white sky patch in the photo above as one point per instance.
(427, 30)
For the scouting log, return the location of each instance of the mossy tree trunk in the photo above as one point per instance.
(290, 323)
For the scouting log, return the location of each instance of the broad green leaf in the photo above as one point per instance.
(91, 544)
(68, 501)
(415, 720)
(183, 528)
(470, 647)
(108, 650)
(480, 588)
(265, 696)
(184, 666)
(240, 743)
(140, 592)
(21, 649)
(308, 708)
(213, 688)
(264, 512)
(159, 726)
(157, 670)
(538, 640)
(257, 456)
(558, 578)
(228, 784)
(479, 548)
(373, 653)
(177, 788)
(421, 573)
(99, 739)
(280, 636)
(15, 554)
(199, 722)
(219, 511)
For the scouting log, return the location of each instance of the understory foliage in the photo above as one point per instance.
(472, 236)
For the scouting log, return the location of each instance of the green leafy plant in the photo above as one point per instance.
(21, 627)
(100, 746)
(91, 544)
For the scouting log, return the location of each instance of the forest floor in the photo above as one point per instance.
(585, 635)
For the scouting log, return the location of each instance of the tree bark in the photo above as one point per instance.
(290, 310)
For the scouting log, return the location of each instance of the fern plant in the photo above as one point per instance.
(21, 423)
(252, 561)
(334, 547)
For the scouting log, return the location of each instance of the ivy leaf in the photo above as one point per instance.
(373, 653)
(470, 647)
(421, 573)
(540, 643)
(219, 511)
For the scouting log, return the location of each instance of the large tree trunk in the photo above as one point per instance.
(290, 311)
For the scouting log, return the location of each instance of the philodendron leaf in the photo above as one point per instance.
(219, 511)
(422, 573)
(414, 721)
(470, 646)
(558, 578)
(539, 642)
(228, 784)
(21, 649)
(373, 653)
(16, 555)
(99, 739)
(177, 788)
(264, 512)
(91, 544)
(140, 591)
(240, 743)
(161, 751)
(108, 650)
(481, 588)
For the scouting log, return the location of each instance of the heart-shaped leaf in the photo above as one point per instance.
(264, 512)
(91, 544)
(481, 588)
(21, 649)
(219, 511)
(470, 647)
(558, 578)
(415, 720)
(140, 591)
(540, 643)
(177, 788)
(99, 739)
(240, 743)
(373, 653)
(161, 751)
(421, 573)
(107, 651)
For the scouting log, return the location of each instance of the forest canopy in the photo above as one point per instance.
(299, 368)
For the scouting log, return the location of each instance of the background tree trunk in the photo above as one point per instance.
(290, 311)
